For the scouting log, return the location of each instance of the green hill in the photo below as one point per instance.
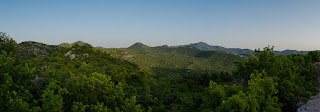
(180, 58)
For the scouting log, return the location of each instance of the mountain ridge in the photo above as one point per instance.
(206, 47)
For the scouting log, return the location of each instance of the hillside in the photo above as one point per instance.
(30, 49)
(206, 47)
(189, 58)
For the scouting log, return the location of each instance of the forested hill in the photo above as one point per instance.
(189, 58)
(207, 47)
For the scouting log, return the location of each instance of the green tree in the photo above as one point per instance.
(294, 74)
(52, 97)
(95, 88)
(315, 56)
(7, 44)
(261, 93)
(15, 79)
(79, 107)
(257, 97)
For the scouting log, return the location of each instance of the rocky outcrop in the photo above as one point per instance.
(72, 56)
(312, 105)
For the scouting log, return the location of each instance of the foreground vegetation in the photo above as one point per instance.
(81, 78)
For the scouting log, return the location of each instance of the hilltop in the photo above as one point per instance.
(31, 49)
(68, 45)
(206, 47)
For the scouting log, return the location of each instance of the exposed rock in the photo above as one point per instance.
(86, 55)
(36, 78)
(312, 105)
(300, 103)
(68, 53)
(72, 56)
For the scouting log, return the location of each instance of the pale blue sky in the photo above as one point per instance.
(285, 24)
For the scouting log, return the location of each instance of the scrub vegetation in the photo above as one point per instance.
(82, 78)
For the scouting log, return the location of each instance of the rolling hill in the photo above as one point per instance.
(187, 58)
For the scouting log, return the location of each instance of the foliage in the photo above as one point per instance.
(314, 56)
(7, 44)
(294, 74)
(15, 79)
(257, 97)
(52, 97)
(95, 88)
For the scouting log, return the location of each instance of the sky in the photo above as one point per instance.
(285, 24)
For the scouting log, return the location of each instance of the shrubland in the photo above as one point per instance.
(82, 78)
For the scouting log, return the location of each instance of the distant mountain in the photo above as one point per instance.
(138, 46)
(205, 47)
(164, 58)
(287, 52)
(30, 49)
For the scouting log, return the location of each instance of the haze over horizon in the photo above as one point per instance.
(285, 24)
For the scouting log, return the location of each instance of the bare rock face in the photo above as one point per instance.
(312, 105)
(69, 53)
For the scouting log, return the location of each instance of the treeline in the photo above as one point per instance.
(84, 79)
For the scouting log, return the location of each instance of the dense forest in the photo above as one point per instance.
(81, 78)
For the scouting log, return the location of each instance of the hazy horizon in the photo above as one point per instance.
(285, 24)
